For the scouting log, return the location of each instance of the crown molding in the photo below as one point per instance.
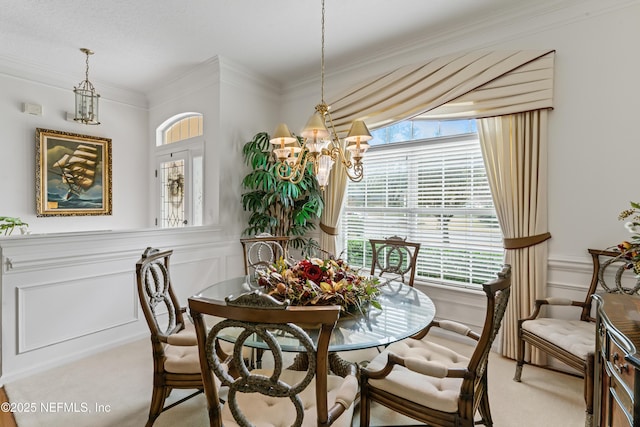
(238, 75)
(32, 73)
(213, 72)
(532, 18)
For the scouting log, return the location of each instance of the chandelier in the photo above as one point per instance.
(321, 146)
(86, 97)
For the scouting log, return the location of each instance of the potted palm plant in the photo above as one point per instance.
(277, 206)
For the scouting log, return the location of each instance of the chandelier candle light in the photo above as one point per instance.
(321, 146)
(86, 97)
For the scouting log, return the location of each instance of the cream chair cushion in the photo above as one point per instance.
(186, 336)
(438, 393)
(267, 411)
(182, 359)
(575, 336)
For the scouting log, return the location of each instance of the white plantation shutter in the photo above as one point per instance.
(434, 192)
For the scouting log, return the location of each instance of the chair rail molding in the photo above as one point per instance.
(65, 296)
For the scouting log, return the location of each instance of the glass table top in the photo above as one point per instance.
(405, 311)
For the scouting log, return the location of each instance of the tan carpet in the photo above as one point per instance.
(114, 388)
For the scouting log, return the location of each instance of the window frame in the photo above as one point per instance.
(496, 250)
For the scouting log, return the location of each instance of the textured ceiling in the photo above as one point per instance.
(139, 44)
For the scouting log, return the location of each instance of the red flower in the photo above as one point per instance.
(313, 272)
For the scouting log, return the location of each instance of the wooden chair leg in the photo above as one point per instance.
(520, 361)
(365, 407)
(485, 410)
(157, 403)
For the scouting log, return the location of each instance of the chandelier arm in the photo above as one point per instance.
(296, 173)
(336, 150)
(359, 173)
(337, 153)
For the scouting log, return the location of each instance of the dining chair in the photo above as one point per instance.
(394, 255)
(571, 338)
(432, 383)
(173, 341)
(262, 251)
(278, 396)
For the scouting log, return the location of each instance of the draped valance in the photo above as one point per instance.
(471, 85)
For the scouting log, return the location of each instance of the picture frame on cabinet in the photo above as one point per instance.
(73, 174)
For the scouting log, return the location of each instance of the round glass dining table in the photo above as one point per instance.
(405, 311)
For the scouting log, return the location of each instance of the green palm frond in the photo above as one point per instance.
(277, 206)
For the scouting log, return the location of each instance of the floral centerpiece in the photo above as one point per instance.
(630, 250)
(320, 282)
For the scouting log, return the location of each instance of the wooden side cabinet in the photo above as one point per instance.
(617, 362)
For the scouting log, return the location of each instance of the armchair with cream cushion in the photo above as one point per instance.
(432, 383)
(571, 340)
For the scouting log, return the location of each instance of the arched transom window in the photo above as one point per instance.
(184, 128)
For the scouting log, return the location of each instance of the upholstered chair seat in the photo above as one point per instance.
(181, 359)
(441, 393)
(276, 411)
(186, 336)
(574, 336)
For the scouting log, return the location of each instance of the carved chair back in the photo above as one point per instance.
(394, 255)
(611, 274)
(262, 251)
(159, 303)
(257, 314)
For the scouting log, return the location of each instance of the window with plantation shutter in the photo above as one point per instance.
(433, 191)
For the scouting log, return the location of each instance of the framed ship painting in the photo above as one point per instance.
(73, 174)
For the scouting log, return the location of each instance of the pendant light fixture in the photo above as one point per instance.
(321, 147)
(86, 97)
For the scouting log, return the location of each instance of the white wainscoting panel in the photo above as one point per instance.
(74, 308)
(66, 296)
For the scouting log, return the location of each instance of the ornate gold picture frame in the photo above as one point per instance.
(73, 174)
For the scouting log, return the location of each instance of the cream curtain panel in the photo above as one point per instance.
(333, 198)
(514, 148)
